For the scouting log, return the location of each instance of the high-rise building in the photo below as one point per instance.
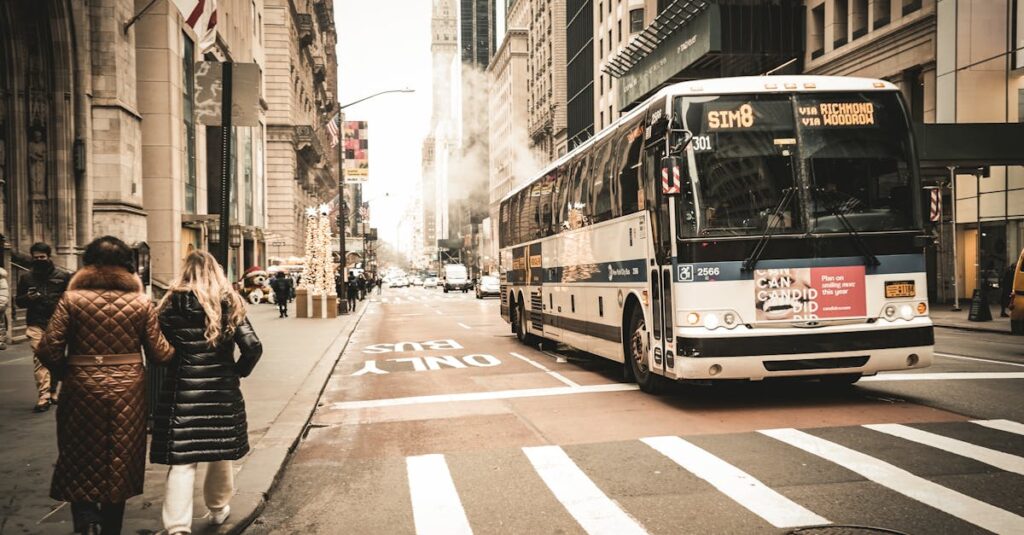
(579, 79)
(302, 96)
(436, 146)
(477, 31)
(546, 78)
(509, 155)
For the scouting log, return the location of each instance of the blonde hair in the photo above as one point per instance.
(203, 276)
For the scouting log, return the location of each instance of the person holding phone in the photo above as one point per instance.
(39, 290)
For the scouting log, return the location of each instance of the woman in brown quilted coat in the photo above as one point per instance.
(103, 322)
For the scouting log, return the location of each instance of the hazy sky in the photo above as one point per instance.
(386, 45)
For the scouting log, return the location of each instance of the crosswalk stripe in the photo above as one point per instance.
(436, 508)
(959, 505)
(1002, 425)
(738, 485)
(998, 459)
(595, 512)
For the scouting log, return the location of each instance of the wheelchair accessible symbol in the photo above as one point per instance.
(685, 272)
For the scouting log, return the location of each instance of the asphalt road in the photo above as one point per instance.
(436, 420)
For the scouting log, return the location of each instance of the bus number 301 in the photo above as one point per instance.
(702, 144)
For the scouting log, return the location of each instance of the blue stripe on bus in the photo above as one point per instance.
(623, 271)
(733, 270)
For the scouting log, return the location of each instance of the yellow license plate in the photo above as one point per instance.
(899, 289)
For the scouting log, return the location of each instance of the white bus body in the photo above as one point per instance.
(819, 299)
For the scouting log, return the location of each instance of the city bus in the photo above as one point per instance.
(730, 229)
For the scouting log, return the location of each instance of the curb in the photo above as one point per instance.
(264, 465)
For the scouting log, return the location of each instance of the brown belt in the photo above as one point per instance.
(105, 360)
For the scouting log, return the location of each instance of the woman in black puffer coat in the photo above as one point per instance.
(200, 413)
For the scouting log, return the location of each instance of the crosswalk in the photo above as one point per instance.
(950, 477)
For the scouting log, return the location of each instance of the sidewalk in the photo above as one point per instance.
(280, 396)
(942, 316)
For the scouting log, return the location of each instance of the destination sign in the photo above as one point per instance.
(837, 114)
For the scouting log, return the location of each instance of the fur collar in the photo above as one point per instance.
(105, 278)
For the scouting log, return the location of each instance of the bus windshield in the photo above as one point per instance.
(857, 155)
(846, 154)
(742, 147)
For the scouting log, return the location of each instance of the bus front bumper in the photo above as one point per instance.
(862, 350)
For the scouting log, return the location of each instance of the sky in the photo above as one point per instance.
(381, 46)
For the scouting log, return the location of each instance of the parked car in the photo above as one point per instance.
(430, 282)
(415, 281)
(399, 282)
(488, 285)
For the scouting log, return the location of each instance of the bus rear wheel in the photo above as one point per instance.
(519, 324)
(637, 355)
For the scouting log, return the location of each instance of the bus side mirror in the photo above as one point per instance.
(674, 175)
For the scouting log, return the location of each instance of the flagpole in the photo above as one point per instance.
(131, 22)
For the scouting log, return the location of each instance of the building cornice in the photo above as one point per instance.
(875, 48)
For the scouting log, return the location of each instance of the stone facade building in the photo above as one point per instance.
(301, 97)
(546, 78)
(98, 132)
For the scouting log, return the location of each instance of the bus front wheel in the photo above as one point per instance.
(637, 355)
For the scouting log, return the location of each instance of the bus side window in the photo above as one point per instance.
(503, 225)
(602, 174)
(556, 201)
(585, 204)
(631, 191)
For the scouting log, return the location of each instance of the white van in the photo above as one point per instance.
(454, 277)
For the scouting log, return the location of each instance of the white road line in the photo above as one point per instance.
(554, 374)
(949, 501)
(15, 361)
(438, 312)
(540, 366)
(1002, 425)
(595, 512)
(953, 376)
(743, 488)
(482, 396)
(464, 326)
(436, 508)
(978, 359)
(998, 459)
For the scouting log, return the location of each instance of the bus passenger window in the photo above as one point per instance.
(631, 193)
(603, 171)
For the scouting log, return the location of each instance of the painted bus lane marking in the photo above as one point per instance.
(422, 363)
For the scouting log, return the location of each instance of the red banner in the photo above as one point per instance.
(806, 294)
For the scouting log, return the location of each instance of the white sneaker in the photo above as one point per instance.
(219, 517)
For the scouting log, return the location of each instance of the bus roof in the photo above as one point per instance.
(722, 86)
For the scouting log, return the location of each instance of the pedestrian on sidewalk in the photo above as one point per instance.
(284, 291)
(352, 291)
(380, 285)
(200, 412)
(38, 293)
(1006, 289)
(103, 322)
(5, 301)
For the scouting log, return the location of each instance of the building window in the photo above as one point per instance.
(600, 47)
(859, 18)
(188, 76)
(910, 6)
(619, 35)
(841, 14)
(602, 121)
(883, 13)
(601, 90)
(636, 20)
(600, 12)
(816, 39)
(610, 42)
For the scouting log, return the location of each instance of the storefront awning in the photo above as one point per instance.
(694, 39)
(969, 144)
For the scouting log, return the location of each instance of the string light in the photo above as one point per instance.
(318, 272)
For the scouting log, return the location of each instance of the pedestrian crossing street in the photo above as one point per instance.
(950, 477)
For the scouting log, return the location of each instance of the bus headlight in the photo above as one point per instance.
(693, 318)
(889, 312)
(921, 309)
(711, 321)
(907, 312)
(729, 319)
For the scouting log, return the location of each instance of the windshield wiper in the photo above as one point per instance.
(833, 206)
(755, 255)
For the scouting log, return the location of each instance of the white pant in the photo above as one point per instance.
(217, 490)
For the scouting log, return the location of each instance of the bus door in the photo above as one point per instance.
(660, 271)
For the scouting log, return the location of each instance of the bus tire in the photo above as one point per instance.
(520, 326)
(635, 352)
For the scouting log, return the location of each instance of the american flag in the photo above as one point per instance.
(332, 129)
(201, 16)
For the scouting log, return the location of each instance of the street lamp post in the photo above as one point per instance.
(342, 295)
